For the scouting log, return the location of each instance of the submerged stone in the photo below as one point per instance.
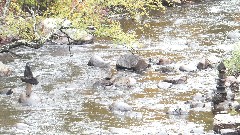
(176, 80)
(33, 99)
(8, 91)
(120, 106)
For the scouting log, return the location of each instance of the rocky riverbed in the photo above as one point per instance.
(167, 95)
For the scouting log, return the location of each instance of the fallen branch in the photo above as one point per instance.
(8, 47)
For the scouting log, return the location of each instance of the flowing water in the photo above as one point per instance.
(70, 105)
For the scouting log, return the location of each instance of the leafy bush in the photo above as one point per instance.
(97, 13)
(233, 63)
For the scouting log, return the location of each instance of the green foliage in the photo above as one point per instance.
(97, 13)
(233, 63)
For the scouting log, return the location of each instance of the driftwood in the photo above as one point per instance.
(8, 47)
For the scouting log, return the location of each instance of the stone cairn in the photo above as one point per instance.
(220, 95)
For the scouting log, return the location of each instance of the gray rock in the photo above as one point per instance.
(228, 132)
(97, 61)
(233, 35)
(171, 3)
(204, 64)
(64, 33)
(166, 69)
(225, 121)
(33, 99)
(164, 61)
(188, 68)
(131, 62)
(176, 80)
(7, 91)
(4, 70)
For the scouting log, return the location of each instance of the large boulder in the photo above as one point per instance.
(132, 62)
(4, 70)
(64, 33)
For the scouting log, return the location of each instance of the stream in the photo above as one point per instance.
(70, 105)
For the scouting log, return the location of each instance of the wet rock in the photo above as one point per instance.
(232, 83)
(188, 68)
(170, 3)
(225, 121)
(230, 95)
(28, 76)
(164, 61)
(131, 62)
(33, 99)
(228, 132)
(164, 85)
(176, 80)
(21, 126)
(233, 35)
(4, 70)
(204, 64)
(103, 84)
(166, 69)
(8, 91)
(222, 107)
(230, 80)
(97, 61)
(120, 106)
(124, 81)
(237, 108)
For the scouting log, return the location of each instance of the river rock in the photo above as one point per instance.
(230, 80)
(225, 121)
(4, 70)
(103, 84)
(97, 61)
(21, 126)
(33, 99)
(188, 68)
(7, 91)
(233, 35)
(232, 83)
(166, 69)
(131, 62)
(170, 3)
(237, 108)
(164, 85)
(164, 61)
(124, 81)
(176, 80)
(120, 106)
(204, 64)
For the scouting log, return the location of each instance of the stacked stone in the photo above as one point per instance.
(220, 94)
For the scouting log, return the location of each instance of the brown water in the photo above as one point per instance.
(71, 106)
